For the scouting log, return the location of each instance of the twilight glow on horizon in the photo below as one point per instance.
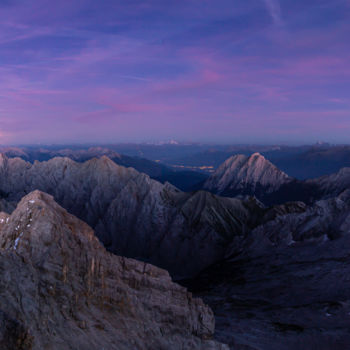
(262, 71)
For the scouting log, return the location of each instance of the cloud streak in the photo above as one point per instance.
(274, 9)
(139, 71)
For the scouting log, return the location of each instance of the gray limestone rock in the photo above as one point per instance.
(60, 289)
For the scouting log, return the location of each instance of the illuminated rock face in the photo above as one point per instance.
(60, 289)
(242, 175)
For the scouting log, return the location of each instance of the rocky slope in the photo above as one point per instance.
(134, 215)
(286, 287)
(242, 175)
(60, 289)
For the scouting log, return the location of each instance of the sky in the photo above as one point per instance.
(221, 71)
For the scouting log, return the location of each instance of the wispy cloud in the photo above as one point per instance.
(147, 69)
(274, 8)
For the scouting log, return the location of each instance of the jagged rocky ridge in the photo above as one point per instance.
(60, 289)
(184, 180)
(138, 217)
(134, 215)
(312, 190)
(81, 155)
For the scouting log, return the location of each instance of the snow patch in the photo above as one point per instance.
(17, 241)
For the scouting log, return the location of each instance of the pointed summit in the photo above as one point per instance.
(39, 226)
(242, 175)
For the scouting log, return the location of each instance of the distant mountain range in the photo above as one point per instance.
(301, 162)
(185, 165)
(183, 179)
(138, 217)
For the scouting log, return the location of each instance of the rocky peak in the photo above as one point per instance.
(246, 175)
(62, 289)
(256, 157)
(39, 226)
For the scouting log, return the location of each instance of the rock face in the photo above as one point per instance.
(287, 286)
(133, 215)
(60, 289)
(242, 175)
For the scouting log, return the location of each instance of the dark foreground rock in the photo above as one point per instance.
(288, 288)
(60, 289)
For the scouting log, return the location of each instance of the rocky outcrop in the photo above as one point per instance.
(242, 175)
(60, 289)
(331, 185)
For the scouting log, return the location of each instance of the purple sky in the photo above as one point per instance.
(193, 70)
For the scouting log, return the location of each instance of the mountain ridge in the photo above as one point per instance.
(132, 214)
(156, 170)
